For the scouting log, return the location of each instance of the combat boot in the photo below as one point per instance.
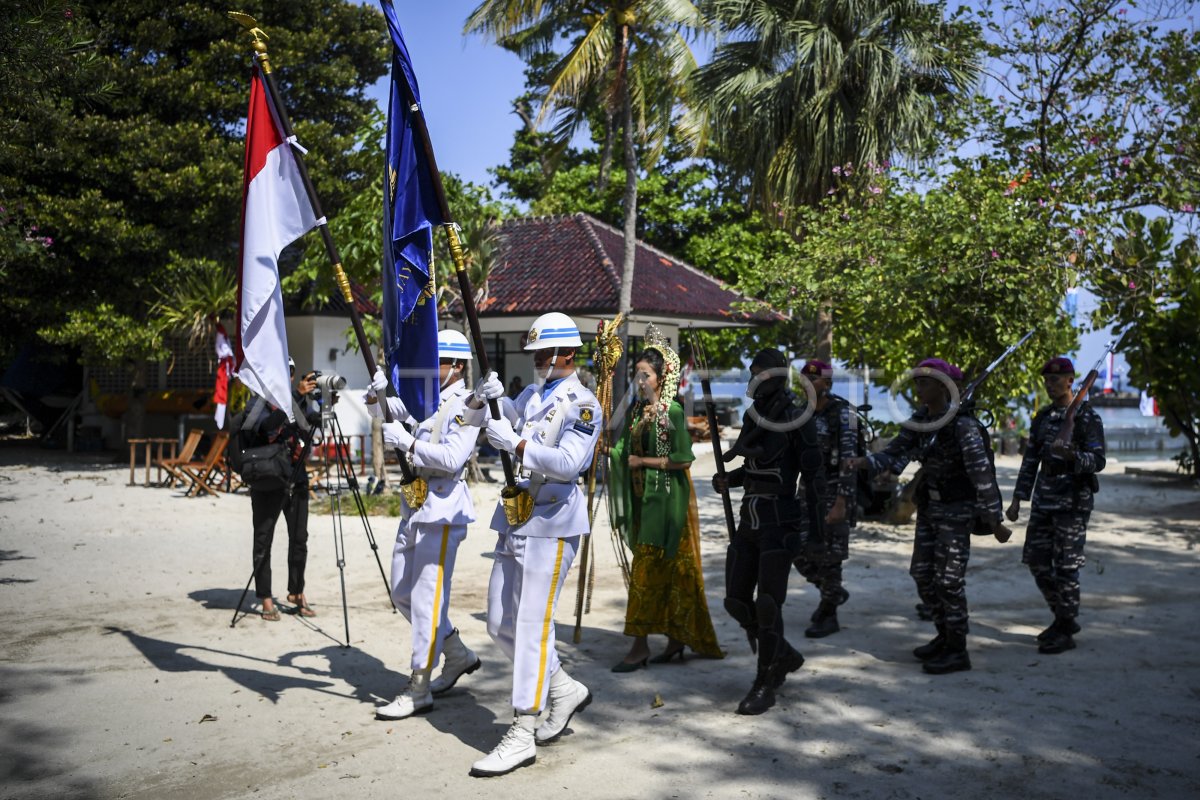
(1060, 623)
(761, 695)
(790, 661)
(567, 696)
(460, 660)
(416, 699)
(953, 657)
(934, 649)
(1061, 638)
(515, 750)
(824, 621)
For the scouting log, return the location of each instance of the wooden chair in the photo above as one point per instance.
(204, 476)
(186, 454)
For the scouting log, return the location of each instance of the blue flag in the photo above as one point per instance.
(410, 213)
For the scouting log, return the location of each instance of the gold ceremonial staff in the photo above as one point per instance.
(414, 488)
(606, 355)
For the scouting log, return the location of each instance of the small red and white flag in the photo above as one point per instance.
(224, 374)
(275, 212)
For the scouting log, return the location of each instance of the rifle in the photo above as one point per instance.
(710, 410)
(1063, 439)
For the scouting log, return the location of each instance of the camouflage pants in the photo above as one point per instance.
(1054, 552)
(939, 562)
(822, 567)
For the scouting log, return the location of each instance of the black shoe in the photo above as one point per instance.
(1059, 642)
(953, 657)
(823, 627)
(760, 698)
(789, 662)
(1066, 624)
(932, 650)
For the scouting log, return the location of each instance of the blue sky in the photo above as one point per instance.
(467, 87)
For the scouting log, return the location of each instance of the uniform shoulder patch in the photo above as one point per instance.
(586, 414)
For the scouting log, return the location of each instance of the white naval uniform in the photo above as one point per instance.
(428, 539)
(560, 432)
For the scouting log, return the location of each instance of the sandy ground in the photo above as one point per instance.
(120, 675)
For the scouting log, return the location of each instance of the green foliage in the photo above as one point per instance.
(801, 87)
(132, 168)
(958, 272)
(1151, 290)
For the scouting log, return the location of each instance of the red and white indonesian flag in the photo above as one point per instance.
(275, 212)
(224, 373)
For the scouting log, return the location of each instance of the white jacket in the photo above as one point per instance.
(444, 443)
(560, 433)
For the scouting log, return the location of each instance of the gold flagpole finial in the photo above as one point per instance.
(260, 36)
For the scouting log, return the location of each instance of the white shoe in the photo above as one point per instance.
(460, 660)
(415, 699)
(567, 696)
(516, 750)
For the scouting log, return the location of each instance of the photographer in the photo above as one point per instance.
(267, 424)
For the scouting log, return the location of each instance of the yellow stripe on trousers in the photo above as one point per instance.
(437, 597)
(549, 620)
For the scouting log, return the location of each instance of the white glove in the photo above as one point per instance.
(379, 383)
(501, 435)
(488, 388)
(374, 409)
(396, 435)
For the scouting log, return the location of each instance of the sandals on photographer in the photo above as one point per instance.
(271, 614)
(301, 605)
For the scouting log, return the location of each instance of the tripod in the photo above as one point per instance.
(343, 476)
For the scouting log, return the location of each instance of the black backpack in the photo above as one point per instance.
(266, 467)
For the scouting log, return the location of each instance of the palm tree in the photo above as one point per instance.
(630, 57)
(801, 88)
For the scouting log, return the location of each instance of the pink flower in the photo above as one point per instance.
(837, 170)
(1126, 161)
(876, 190)
(870, 259)
(1188, 208)
(1041, 202)
(47, 241)
(1132, 285)
(995, 254)
(1080, 231)
(67, 13)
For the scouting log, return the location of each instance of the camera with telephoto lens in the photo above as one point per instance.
(327, 382)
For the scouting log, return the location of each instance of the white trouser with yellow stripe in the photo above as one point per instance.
(527, 578)
(422, 565)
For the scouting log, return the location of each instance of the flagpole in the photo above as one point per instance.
(414, 488)
(510, 492)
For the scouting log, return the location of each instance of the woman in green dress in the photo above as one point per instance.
(654, 508)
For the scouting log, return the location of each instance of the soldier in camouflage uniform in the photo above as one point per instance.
(958, 495)
(1062, 499)
(821, 558)
(780, 448)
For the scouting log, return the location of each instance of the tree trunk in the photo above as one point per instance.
(135, 414)
(824, 334)
(606, 152)
(625, 300)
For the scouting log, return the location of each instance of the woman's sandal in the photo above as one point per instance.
(271, 614)
(301, 605)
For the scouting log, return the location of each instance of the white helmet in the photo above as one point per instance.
(552, 330)
(452, 344)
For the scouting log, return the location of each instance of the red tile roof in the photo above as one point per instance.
(572, 264)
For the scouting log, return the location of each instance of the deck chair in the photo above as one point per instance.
(204, 476)
(186, 454)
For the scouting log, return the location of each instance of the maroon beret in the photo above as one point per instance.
(931, 365)
(1059, 366)
(815, 367)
